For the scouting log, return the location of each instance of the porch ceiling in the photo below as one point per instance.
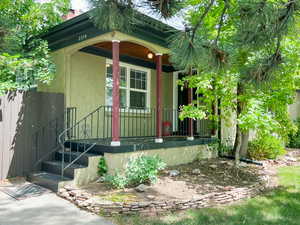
(133, 50)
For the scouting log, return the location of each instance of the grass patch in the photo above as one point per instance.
(120, 197)
(279, 207)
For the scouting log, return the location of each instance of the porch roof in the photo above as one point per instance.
(71, 31)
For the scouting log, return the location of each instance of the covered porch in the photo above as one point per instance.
(139, 95)
(122, 84)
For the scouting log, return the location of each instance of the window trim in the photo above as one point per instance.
(128, 88)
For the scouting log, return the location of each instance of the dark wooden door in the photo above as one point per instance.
(183, 100)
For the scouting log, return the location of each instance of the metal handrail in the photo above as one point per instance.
(46, 156)
(62, 141)
(78, 157)
(76, 124)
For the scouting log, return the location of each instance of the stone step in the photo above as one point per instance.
(47, 180)
(83, 160)
(55, 168)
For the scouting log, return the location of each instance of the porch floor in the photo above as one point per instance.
(135, 144)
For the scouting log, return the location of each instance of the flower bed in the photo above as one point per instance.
(228, 194)
(83, 200)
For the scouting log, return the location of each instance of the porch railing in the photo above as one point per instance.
(91, 127)
(45, 138)
(134, 122)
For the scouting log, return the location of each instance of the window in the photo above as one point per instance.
(134, 86)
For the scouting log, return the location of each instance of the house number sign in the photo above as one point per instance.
(82, 37)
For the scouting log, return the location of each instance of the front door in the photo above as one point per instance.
(183, 100)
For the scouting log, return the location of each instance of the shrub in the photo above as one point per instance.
(294, 137)
(117, 181)
(266, 147)
(143, 169)
(224, 147)
(102, 167)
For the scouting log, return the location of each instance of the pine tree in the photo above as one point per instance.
(240, 47)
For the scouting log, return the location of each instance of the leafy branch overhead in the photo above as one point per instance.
(24, 58)
(247, 56)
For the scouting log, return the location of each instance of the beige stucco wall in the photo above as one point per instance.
(294, 109)
(84, 88)
(171, 156)
(228, 125)
(81, 76)
(87, 84)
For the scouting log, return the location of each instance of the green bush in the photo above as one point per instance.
(117, 181)
(144, 169)
(294, 137)
(140, 170)
(266, 147)
(102, 167)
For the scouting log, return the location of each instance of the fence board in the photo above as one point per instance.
(21, 114)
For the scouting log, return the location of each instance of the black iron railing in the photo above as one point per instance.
(82, 136)
(93, 126)
(45, 138)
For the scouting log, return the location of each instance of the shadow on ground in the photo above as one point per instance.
(278, 207)
(47, 209)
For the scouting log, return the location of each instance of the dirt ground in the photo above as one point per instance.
(213, 175)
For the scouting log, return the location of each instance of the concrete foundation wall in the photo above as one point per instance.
(87, 175)
(171, 156)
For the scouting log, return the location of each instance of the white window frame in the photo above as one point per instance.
(128, 88)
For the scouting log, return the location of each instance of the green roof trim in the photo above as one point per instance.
(71, 31)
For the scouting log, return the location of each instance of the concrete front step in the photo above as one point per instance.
(55, 168)
(83, 160)
(48, 180)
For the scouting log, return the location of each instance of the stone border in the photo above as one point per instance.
(86, 201)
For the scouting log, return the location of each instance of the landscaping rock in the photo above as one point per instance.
(101, 180)
(196, 171)
(291, 159)
(174, 173)
(141, 188)
(243, 164)
(213, 166)
(150, 197)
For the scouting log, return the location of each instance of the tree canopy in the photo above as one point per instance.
(24, 57)
(246, 53)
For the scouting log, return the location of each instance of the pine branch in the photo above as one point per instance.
(166, 8)
(262, 72)
(221, 23)
(202, 17)
(290, 7)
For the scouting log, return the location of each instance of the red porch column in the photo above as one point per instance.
(158, 98)
(116, 94)
(191, 122)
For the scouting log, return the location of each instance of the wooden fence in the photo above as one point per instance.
(21, 115)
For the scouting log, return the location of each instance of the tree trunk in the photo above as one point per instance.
(214, 112)
(214, 109)
(238, 137)
(237, 145)
(219, 121)
(244, 145)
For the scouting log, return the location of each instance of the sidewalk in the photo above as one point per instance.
(47, 209)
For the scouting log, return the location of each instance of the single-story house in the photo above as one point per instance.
(121, 99)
